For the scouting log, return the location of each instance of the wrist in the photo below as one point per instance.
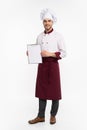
(52, 54)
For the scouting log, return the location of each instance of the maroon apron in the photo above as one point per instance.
(48, 79)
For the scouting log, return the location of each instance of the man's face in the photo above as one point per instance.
(47, 24)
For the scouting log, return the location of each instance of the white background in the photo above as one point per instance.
(19, 25)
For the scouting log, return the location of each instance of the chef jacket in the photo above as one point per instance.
(52, 42)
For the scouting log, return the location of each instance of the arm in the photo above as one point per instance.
(61, 53)
(61, 47)
(50, 54)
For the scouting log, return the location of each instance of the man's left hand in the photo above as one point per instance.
(45, 53)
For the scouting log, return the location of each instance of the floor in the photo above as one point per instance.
(15, 114)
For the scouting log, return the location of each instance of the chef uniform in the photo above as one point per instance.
(48, 85)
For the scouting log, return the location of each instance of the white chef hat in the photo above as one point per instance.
(47, 13)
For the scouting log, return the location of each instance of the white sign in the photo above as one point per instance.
(34, 53)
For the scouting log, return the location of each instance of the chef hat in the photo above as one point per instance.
(48, 14)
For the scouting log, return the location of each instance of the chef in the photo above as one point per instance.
(48, 84)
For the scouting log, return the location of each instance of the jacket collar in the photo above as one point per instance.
(48, 32)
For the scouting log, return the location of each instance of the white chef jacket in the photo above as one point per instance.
(52, 42)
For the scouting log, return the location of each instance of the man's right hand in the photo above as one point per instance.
(27, 53)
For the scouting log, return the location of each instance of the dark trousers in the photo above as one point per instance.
(42, 107)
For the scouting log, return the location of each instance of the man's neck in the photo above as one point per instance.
(49, 30)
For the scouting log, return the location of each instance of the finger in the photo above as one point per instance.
(27, 53)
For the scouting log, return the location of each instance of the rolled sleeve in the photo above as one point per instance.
(58, 55)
